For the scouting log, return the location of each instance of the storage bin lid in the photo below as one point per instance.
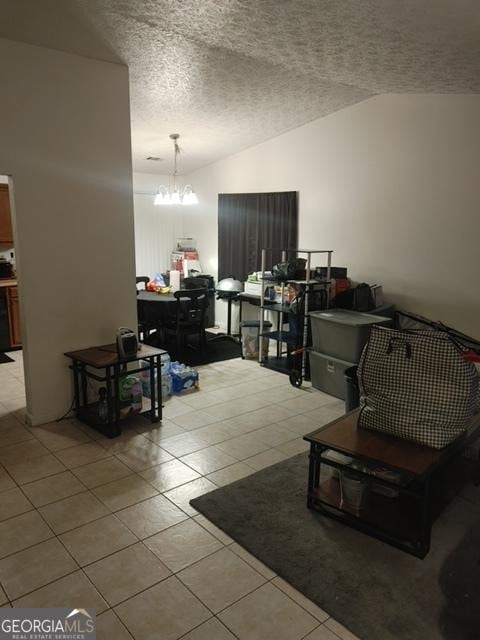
(347, 317)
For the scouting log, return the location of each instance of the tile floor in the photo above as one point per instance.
(87, 521)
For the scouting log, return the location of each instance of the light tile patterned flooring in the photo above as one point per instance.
(91, 522)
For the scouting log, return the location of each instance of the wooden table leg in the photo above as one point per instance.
(83, 380)
(158, 360)
(313, 474)
(116, 393)
(153, 392)
(108, 384)
(426, 520)
(76, 386)
(476, 471)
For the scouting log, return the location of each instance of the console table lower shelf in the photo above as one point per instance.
(399, 512)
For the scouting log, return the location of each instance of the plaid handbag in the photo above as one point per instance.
(416, 386)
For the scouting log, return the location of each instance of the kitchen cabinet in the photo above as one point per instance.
(6, 233)
(14, 316)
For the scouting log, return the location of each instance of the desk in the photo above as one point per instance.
(154, 311)
(404, 521)
(106, 358)
(156, 308)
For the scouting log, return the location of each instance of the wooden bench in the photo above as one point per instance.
(427, 479)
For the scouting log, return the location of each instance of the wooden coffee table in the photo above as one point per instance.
(429, 478)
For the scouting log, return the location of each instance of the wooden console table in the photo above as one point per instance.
(404, 521)
(106, 358)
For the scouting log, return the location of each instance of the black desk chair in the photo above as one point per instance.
(190, 317)
(142, 279)
(144, 326)
(203, 281)
(195, 283)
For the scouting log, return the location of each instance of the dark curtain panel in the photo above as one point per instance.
(250, 222)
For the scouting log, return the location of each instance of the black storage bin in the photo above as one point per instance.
(352, 391)
(4, 326)
(335, 272)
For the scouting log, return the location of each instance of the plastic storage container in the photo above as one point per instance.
(353, 492)
(164, 363)
(335, 456)
(183, 377)
(341, 333)
(250, 333)
(166, 377)
(328, 374)
(166, 385)
(130, 395)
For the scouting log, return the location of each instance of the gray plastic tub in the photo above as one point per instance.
(341, 333)
(328, 374)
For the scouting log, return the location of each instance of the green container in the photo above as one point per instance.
(342, 334)
(328, 374)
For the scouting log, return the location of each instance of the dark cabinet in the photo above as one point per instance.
(6, 233)
(10, 335)
(4, 325)
(14, 317)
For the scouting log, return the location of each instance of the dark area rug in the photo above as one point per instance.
(375, 590)
(216, 351)
(4, 358)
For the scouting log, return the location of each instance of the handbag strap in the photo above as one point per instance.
(396, 342)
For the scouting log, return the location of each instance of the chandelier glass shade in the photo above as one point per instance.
(175, 195)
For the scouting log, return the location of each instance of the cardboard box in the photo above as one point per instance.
(253, 288)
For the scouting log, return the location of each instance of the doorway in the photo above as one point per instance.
(12, 383)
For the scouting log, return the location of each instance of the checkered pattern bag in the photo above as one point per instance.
(416, 386)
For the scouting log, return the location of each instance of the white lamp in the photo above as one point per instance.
(189, 195)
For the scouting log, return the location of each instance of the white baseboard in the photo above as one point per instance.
(36, 420)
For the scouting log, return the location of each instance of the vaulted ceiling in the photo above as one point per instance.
(227, 74)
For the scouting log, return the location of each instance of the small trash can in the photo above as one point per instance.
(352, 391)
(250, 335)
(352, 492)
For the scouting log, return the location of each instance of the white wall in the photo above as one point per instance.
(156, 228)
(391, 184)
(66, 144)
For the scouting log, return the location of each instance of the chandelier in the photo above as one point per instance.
(167, 195)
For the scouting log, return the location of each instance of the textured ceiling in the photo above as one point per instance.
(227, 74)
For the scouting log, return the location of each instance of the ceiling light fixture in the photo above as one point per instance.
(168, 196)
